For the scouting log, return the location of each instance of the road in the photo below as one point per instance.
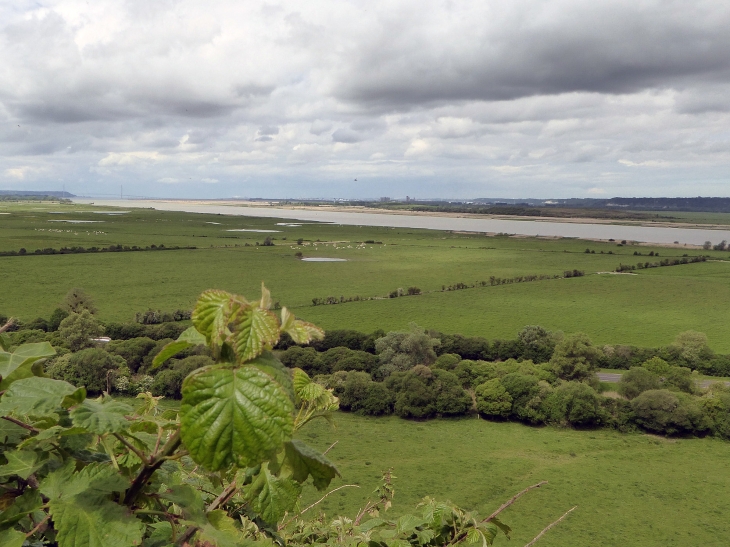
(615, 377)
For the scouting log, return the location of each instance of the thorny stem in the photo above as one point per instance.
(149, 468)
(548, 527)
(21, 424)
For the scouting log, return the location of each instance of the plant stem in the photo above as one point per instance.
(149, 468)
(513, 499)
(38, 526)
(131, 447)
(21, 424)
(548, 527)
(222, 498)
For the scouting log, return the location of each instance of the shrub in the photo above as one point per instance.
(447, 361)
(473, 348)
(575, 358)
(57, 316)
(378, 401)
(77, 301)
(169, 382)
(451, 399)
(133, 351)
(538, 343)
(493, 400)
(353, 389)
(78, 329)
(662, 411)
(636, 381)
(574, 403)
(305, 358)
(400, 351)
(124, 331)
(336, 359)
(92, 368)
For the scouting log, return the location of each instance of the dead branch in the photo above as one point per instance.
(548, 527)
(513, 499)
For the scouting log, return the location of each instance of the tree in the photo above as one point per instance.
(92, 368)
(662, 411)
(575, 358)
(693, 347)
(493, 400)
(77, 300)
(539, 343)
(79, 330)
(57, 316)
(400, 351)
(447, 361)
(636, 381)
(574, 403)
(707, 245)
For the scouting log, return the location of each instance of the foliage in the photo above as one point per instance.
(575, 358)
(77, 301)
(636, 381)
(493, 400)
(91, 368)
(79, 330)
(400, 351)
(671, 413)
(575, 404)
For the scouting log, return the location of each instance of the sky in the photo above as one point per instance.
(365, 99)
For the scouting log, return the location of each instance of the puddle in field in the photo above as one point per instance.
(213, 223)
(77, 221)
(251, 230)
(323, 259)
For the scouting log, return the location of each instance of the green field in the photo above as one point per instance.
(649, 308)
(630, 489)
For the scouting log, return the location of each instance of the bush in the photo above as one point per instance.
(91, 368)
(575, 358)
(133, 351)
(305, 358)
(636, 381)
(473, 348)
(378, 401)
(57, 316)
(574, 403)
(662, 411)
(447, 361)
(352, 390)
(527, 394)
(337, 359)
(451, 399)
(125, 331)
(493, 400)
(169, 382)
(538, 343)
(400, 351)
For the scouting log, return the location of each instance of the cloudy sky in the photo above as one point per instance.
(427, 98)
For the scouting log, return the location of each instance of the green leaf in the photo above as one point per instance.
(255, 330)
(189, 338)
(11, 433)
(107, 416)
(220, 530)
(408, 523)
(4, 342)
(84, 522)
(305, 461)
(95, 481)
(268, 363)
(75, 398)
(189, 500)
(506, 530)
(272, 496)
(19, 364)
(12, 538)
(28, 502)
(300, 331)
(210, 315)
(22, 463)
(235, 416)
(35, 396)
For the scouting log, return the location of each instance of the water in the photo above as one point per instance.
(323, 259)
(648, 234)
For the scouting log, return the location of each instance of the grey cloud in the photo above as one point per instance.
(348, 136)
(540, 48)
(268, 130)
(318, 127)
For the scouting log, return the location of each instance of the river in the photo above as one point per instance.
(552, 228)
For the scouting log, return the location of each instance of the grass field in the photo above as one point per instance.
(630, 489)
(649, 308)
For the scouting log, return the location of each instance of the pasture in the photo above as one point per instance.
(648, 308)
(630, 489)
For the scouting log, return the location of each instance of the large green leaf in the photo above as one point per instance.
(255, 330)
(220, 530)
(19, 364)
(189, 500)
(107, 416)
(12, 538)
(22, 463)
(84, 522)
(35, 396)
(271, 497)
(304, 461)
(268, 363)
(95, 481)
(189, 338)
(235, 416)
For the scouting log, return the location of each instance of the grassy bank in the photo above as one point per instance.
(630, 489)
